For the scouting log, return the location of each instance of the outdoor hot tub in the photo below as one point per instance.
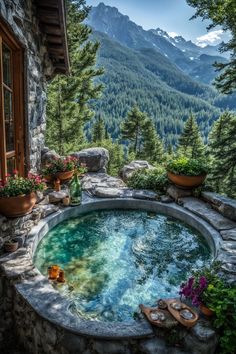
(116, 254)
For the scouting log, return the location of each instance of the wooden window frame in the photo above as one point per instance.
(17, 68)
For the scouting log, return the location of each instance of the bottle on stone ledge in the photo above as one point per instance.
(75, 190)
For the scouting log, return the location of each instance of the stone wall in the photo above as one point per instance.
(20, 16)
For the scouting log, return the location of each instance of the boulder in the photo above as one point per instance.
(176, 193)
(96, 159)
(133, 166)
(100, 180)
(47, 156)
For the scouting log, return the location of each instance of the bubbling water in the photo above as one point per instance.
(115, 260)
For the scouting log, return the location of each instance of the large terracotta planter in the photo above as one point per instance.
(64, 176)
(13, 207)
(186, 182)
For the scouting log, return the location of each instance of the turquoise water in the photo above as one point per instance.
(115, 260)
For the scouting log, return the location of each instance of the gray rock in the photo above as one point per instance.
(107, 192)
(166, 199)
(72, 343)
(39, 197)
(56, 197)
(48, 157)
(96, 159)
(229, 268)
(100, 180)
(154, 346)
(195, 346)
(1, 242)
(226, 206)
(145, 194)
(203, 210)
(229, 235)
(48, 210)
(177, 193)
(20, 240)
(203, 331)
(133, 166)
(107, 347)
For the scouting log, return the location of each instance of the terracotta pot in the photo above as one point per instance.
(64, 176)
(186, 182)
(11, 246)
(206, 311)
(13, 207)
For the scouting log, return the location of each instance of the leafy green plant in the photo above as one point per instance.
(187, 166)
(15, 186)
(220, 297)
(155, 179)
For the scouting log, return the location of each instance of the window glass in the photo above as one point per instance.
(11, 165)
(9, 123)
(6, 59)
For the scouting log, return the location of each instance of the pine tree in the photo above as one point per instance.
(131, 129)
(222, 150)
(190, 142)
(68, 96)
(152, 149)
(221, 13)
(99, 130)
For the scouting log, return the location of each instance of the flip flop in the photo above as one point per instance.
(158, 317)
(181, 312)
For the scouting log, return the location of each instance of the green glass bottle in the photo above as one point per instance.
(75, 190)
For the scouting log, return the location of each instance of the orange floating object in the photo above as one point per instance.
(61, 277)
(53, 272)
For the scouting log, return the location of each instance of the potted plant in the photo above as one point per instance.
(61, 168)
(187, 173)
(17, 194)
(11, 245)
(208, 290)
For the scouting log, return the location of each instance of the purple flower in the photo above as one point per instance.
(203, 282)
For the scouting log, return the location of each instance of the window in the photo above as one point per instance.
(11, 104)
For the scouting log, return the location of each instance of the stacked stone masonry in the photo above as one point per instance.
(20, 16)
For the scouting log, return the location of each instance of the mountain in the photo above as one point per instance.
(185, 54)
(148, 79)
(142, 75)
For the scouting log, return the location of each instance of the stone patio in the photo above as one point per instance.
(23, 288)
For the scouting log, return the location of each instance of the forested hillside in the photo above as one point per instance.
(148, 79)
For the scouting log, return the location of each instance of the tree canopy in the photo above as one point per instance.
(221, 13)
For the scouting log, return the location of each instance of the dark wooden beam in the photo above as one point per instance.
(52, 21)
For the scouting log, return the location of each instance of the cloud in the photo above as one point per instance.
(212, 38)
(173, 34)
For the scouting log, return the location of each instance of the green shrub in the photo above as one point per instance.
(155, 179)
(188, 167)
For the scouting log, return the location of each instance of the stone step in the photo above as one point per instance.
(226, 206)
(204, 210)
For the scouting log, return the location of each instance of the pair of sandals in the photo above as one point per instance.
(169, 313)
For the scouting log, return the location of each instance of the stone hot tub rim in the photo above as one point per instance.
(49, 304)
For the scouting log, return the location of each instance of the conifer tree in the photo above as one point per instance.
(131, 129)
(222, 150)
(68, 96)
(99, 130)
(190, 142)
(152, 148)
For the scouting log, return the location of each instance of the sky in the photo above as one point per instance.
(169, 15)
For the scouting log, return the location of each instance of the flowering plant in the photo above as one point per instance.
(202, 286)
(60, 165)
(15, 185)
